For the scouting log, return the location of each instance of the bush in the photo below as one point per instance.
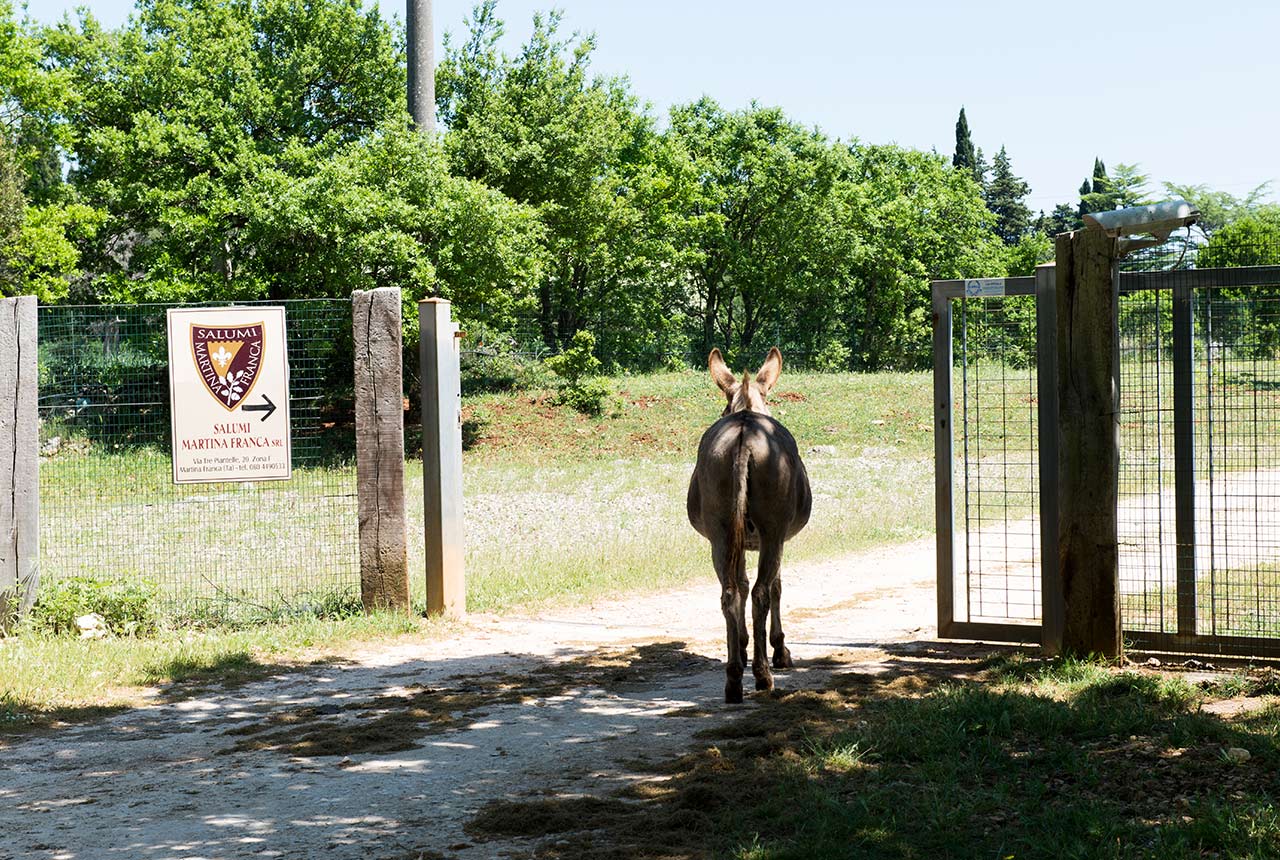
(577, 368)
(127, 608)
(588, 396)
(833, 357)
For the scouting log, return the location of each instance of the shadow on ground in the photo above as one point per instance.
(937, 750)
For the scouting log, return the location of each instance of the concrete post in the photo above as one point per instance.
(420, 42)
(384, 566)
(19, 458)
(442, 457)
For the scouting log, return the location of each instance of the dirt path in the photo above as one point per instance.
(389, 755)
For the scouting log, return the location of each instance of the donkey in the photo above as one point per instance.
(749, 490)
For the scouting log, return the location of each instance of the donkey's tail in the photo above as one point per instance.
(738, 523)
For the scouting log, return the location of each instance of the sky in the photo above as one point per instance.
(1181, 89)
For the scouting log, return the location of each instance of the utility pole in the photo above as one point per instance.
(422, 64)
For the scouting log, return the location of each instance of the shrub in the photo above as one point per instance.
(577, 367)
(832, 357)
(127, 608)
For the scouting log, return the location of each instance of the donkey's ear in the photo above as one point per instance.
(770, 370)
(720, 373)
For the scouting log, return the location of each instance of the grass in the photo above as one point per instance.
(46, 680)
(559, 506)
(945, 756)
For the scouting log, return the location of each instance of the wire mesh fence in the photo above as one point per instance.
(110, 511)
(1200, 528)
(995, 555)
(1000, 473)
(1146, 506)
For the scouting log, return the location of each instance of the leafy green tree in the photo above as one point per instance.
(577, 149)
(387, 213)
(32, 100)
(1219, 208)
(1063, 219)
(1004, 196)
(915, 220)
(1244, 318)
(179, 115)
(1252, 240)
(769, 231)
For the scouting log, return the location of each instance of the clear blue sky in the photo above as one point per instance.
(1183, 89)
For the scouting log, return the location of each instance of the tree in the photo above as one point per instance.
(966, 157)
(1250, 324)
(387, 213)
(579, 151)
(1004, 195)
(178, 116)
(915, 220)
(1063, 219)
(770, 239)
(1218, 209)
(1252, 240)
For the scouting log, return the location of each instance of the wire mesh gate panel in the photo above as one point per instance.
(986, 427)
(1199, 519)
(109, 509)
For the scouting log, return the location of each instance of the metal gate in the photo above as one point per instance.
(1198, 519)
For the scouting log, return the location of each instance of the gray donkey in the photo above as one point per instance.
(749, 490)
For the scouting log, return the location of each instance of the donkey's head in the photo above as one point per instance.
(747, 394)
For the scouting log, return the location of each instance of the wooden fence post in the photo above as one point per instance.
(442, 458)
(384, 566)
(1089, 442)
(19, 458)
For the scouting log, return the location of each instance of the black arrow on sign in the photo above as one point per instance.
(268, 407)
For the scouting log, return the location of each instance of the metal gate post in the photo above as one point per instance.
(1052, 611)
(942, 453)
(1184, 463)
(441, 457)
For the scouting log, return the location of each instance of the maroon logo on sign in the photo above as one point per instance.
(228, 359)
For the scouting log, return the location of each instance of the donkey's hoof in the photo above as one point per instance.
(764, 682)
(733, 693)
(782, 659)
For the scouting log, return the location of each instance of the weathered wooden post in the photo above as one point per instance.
(442, 457)
(384, 566)
(19, 458)
(1088, 387)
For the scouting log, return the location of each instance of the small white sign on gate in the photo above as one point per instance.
(229, 395)
(984, 287)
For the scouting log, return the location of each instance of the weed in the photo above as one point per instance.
(127, 608)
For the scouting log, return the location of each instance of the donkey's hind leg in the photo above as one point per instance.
(733, 602)
(781, 654)
(763, 601)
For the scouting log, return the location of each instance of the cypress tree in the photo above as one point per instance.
(966, 157)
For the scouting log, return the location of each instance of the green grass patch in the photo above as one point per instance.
(951, 758)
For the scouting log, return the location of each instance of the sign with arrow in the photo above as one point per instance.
(229, 394)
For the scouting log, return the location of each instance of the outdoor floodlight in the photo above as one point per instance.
(1158, 219)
